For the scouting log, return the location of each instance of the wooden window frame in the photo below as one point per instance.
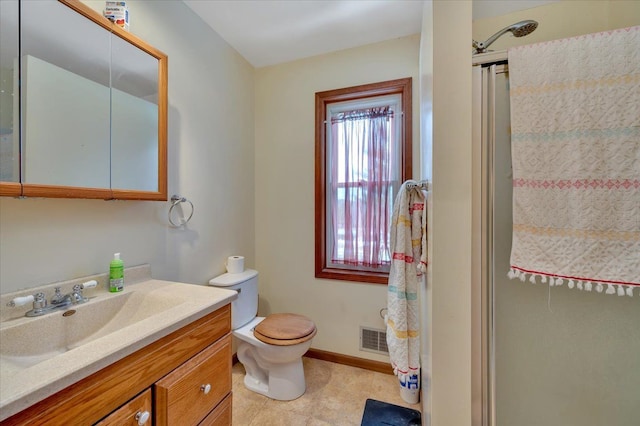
(399, 86)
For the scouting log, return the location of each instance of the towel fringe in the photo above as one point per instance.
(619, 289)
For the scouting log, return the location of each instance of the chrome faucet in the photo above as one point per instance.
(58, 300)
(58, 297)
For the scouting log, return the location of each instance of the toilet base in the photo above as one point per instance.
(283, 382)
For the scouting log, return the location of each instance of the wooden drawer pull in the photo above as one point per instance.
(206, 388)
(142, 417)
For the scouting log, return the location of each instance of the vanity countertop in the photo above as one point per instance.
(23, 385)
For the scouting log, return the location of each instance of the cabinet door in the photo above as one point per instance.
(187, 394)
(134, 413)
(65, 97)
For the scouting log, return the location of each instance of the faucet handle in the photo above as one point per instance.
(38, 299)
(76, 294)
(89, 284)
(19, 301)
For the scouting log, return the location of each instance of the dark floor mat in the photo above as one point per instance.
(378, 413)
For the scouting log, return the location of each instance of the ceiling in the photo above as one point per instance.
(268, 32)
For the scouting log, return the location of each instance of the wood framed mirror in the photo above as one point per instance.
(92, 119)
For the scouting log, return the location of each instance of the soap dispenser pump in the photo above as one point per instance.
(116, 274)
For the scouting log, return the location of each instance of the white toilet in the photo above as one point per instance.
(271, 348)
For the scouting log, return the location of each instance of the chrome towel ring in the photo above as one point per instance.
(175, 201)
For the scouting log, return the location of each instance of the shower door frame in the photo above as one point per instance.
(486, 67)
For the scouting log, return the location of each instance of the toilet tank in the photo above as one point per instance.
(245, 307)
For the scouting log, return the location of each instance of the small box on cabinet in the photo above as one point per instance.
(117, 12)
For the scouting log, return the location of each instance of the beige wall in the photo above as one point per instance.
(451, 216)
(566, 18)
(210, 162)
(284, 189)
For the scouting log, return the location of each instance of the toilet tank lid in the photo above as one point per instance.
(227, 280)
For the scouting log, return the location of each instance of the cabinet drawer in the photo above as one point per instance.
(187, 394)
(130, 413)
(221, 416)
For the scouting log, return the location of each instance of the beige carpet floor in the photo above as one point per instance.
(335, 396)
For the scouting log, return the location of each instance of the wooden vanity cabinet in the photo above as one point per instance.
(167, 374)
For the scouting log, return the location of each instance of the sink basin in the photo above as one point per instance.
(40, 356)
(60, 331)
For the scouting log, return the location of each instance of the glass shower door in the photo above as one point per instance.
(555, 356)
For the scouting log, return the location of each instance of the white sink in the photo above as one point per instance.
(40, 356)
(30, 342)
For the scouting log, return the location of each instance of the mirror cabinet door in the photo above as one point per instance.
(65, 97)
(83, 112)
(9, 105)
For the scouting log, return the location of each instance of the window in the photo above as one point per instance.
(363, 154)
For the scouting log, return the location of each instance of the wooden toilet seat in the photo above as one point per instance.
(285, 329)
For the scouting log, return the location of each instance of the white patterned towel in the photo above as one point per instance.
(409, 260)
(575, 132)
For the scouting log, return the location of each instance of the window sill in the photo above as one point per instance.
(353, 275)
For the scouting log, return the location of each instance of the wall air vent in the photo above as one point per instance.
(372, 340)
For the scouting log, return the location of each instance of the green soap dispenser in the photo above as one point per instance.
(116, 274)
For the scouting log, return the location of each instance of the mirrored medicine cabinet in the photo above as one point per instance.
(83, 105)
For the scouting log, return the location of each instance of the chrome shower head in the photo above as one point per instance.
(519, 29)
(523, 28)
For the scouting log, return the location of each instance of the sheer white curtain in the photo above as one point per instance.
(363, 160)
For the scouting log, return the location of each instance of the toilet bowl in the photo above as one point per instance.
(270, 348)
